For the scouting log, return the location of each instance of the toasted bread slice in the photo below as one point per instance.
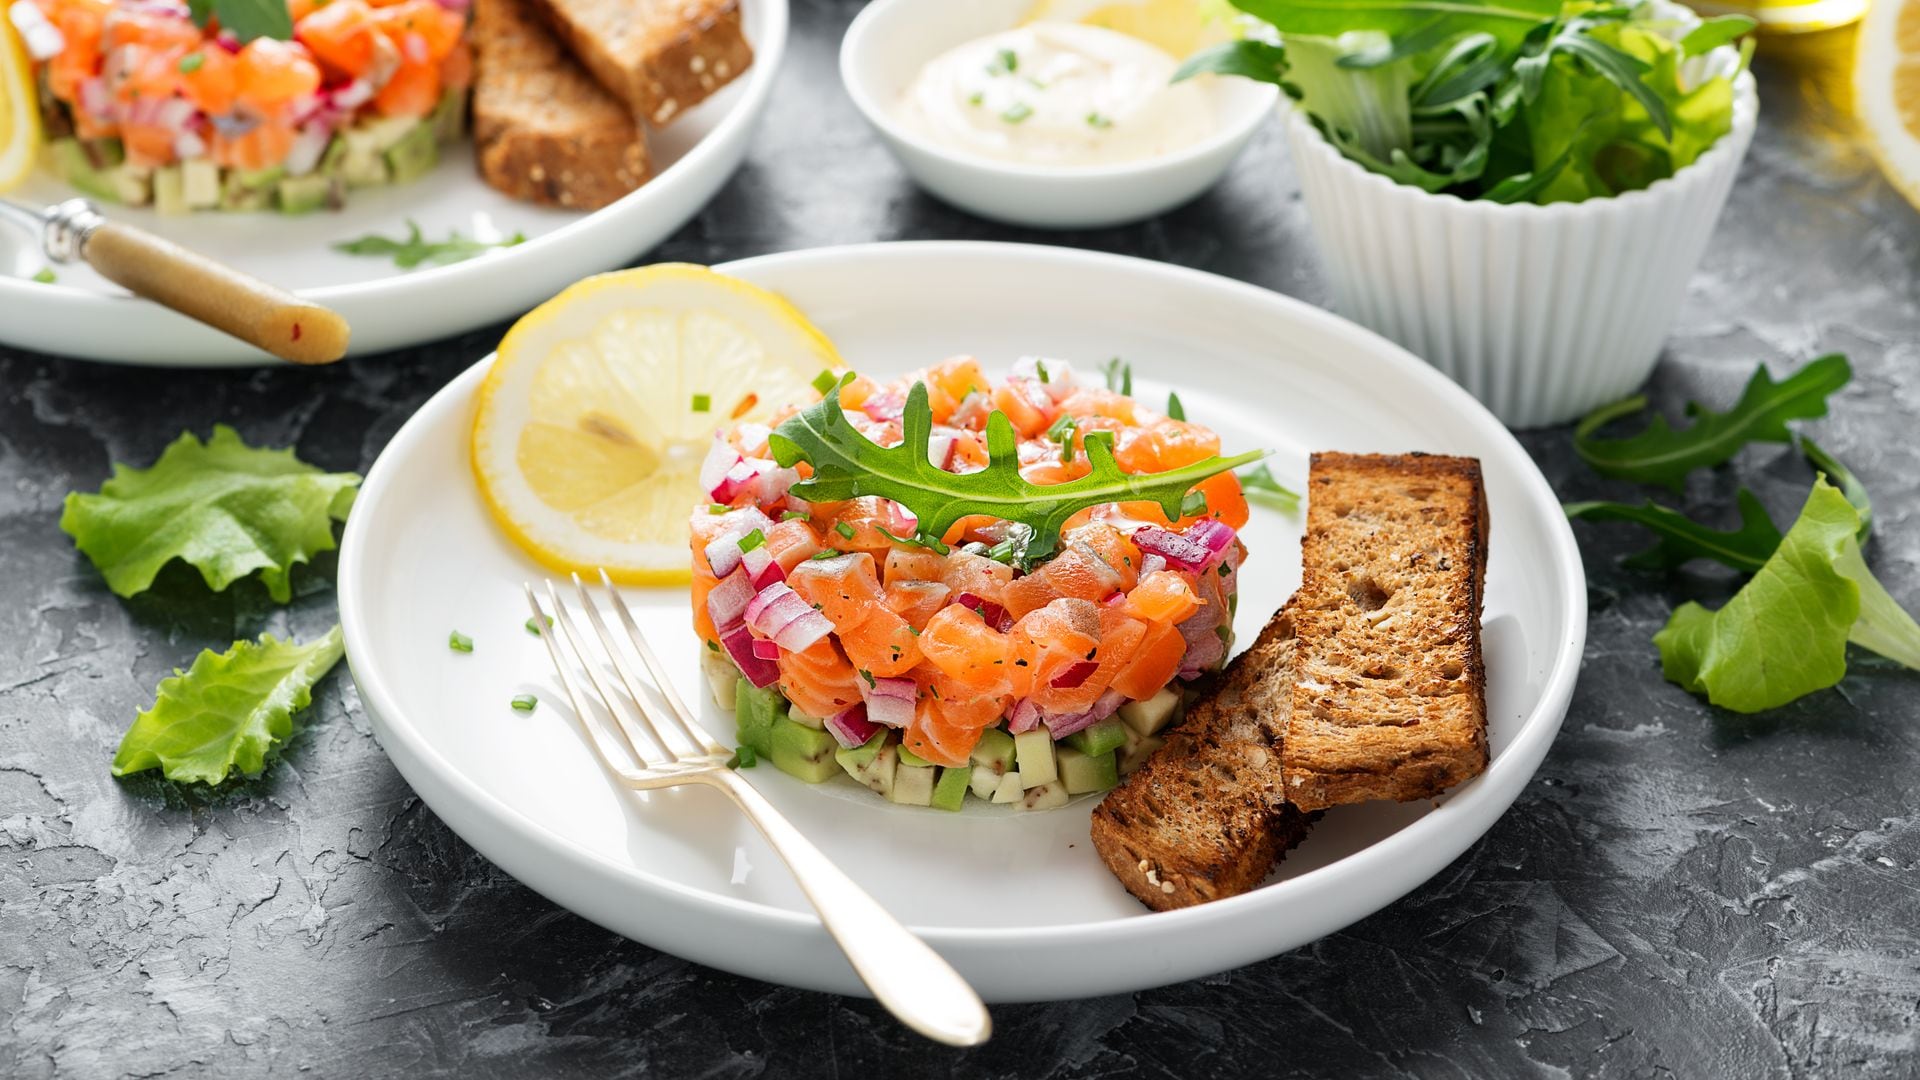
(1389, 697)
(1205, 816)
(660, 57)
(543, 130)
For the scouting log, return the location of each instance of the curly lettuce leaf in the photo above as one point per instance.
(1784, 634)
(224, 507)
(1663, 455)
(846, 464)
(226, 712)
(1682, 539)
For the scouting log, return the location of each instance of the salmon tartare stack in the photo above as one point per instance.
(948, 585)
(286, 107)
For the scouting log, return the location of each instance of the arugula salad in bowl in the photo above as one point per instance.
(947, 586)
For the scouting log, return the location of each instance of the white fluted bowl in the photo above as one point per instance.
(1542, 312)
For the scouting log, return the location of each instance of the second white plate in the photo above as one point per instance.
(83, 315)
(1018, 902)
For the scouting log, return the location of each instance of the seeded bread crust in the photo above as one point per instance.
(1205, 818)
(659, 57)
(1389, 696)
(543, 130)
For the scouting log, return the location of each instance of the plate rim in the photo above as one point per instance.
(1432, 832)
(767, 61)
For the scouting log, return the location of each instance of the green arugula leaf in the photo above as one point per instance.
(1508, 20)
(223, 506)
(415, 249)
(1784, 634)
(248, 19)
(1682, 539)
(1715, 32)
(1248, 58)
(226, 712)
(1259, 486)
(1664, 455)
(846, 464)
(1849, 484)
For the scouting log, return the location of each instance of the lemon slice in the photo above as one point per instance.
(1886, 90)
(1181, 27)
(589, 430)
(19, 109)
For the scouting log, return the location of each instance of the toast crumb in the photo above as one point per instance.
(543, 130)
(1205, 817)
(1389, 701)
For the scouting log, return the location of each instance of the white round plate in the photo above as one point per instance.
(84, 315)
(1018, 902)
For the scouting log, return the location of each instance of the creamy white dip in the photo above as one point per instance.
(1057, 94)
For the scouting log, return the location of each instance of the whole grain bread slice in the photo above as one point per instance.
(660, 57)
(1205, 817)
(1389, 694)
(543, 130)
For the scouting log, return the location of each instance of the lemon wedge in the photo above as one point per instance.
(591, 425)
(1180, 27)
(1886, 90)
(19, 108)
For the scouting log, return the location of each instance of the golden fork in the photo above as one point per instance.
(904, 973)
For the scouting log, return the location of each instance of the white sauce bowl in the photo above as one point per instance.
(892, 40)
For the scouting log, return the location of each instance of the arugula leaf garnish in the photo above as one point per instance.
(846, 464)
(1665, 455)
(415, 249)
(1784, 634)
(248, 19)
(1683, 539)
(1842, 477)
(1259, 486)
(227, 508)
(228, 710)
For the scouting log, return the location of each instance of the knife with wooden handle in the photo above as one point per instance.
(257, 313)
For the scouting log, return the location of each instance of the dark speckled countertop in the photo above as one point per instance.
(1681, 892)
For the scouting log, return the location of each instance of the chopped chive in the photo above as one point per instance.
(524, 703)
(976, 98)
(1225, 570)
(191, 62)
(1120, 376)
(718, 508)
(45, 276)
(1098, 122)
(702, 403)
(825, 381)
(743, 758)
(1041, 367)
(868, 675)
(1005, 62)
(1194, 505)
(752, 540)
(844, 530)
(459, 642)
(713, 646)
(1017, 112)
(1175, 410)
(827, 553)
(794, 515)
(534, 628)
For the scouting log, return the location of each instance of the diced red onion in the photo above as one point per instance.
(1024, 717)
(884, 406)
(744, 474)
(771, 486)
(43, 40)
(1204, 647)
(990, 612)
(1059, 382)
(307, 148)
(95, 99)
(761, 567)
(457, 6)
(1074, 674)
(723, 551)
(721, 456)
(1149, 563)
(972, 407)
(779, 613)
(850, 726)
(413, 45)
(1197, 550)
(766, 650)
(727, 601)
(940, 449)
(739, 641)
(890, 701)
(353, 95)
(1108, 704)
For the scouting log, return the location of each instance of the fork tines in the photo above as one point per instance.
(672, 737)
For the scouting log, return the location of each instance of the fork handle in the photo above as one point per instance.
(904, 973)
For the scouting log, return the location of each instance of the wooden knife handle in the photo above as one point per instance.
(196, 286)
